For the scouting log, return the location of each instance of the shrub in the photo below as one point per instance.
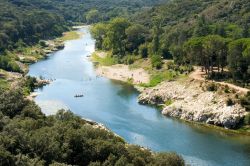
(247, 119)
(168, 102)
(212, 87)
(156, 61)
(245, 101)
(8, 64)
(229, 102)
(143, 51)
(168, 159)
(226, 90)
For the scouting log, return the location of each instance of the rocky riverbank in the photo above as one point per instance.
(189, 100)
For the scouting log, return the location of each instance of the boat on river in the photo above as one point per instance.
(76, 96)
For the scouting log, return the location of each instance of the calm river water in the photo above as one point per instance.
(115, 105)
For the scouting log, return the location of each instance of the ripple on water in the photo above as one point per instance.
(50, 107)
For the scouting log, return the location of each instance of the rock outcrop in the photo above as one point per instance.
(190, 102)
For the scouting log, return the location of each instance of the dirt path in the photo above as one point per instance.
(199, 75)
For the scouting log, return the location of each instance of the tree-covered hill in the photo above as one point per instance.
(27, 21)
(186, 12)
(209, 33)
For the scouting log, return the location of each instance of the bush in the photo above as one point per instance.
(227, 90)
(229, 102)
(43, 43)
(212, 87)
(156, 61)
(247, 119)
(143, 51)
(168, 102)
(245, 101)
(128, 59)
(172, 159)
(12, 102)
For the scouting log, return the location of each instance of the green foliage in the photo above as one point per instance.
(28, 137)
(159, 77)
(168, 159)
(229, 102)
(3, 84)
(30, 83)
(99, 32)
(8, 64)
(93, 16)
(245, 101)
(117, 35)
(135, 36)
(71, 35)
(30, 21)
(239, 59)
(247, 119)
(156, 61)
(168, 102)
(112, 36)
(143, 50)
(105, 61)
(211, 87)
(12, 102)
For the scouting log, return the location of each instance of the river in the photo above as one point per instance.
(114, 104)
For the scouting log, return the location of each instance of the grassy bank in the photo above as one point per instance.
(103, 58)
(71, 35)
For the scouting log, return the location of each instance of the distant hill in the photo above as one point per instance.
(30, 20)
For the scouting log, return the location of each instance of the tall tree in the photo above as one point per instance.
(93, 16)
(136, 35)
(99, 32)
(117, 35)
(239, 59)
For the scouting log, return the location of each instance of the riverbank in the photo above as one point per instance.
(120, 72)
(186, 98)
(27, 55)
(190, 100)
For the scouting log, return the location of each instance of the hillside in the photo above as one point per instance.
(177, 36)
(31, 20)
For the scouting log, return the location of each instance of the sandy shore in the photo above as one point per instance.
(123, 73)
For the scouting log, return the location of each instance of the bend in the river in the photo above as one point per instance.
(115, 105)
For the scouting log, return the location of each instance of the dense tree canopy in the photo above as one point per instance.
(28, 137)
(205, 33)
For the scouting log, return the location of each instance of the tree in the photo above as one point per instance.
(99, 32)
(215, 52)
(143, 50)
(136, 35)
(117, 35)
(156, 61)
(93, 16)
(245, 32)
(202, 28)
(178, 54)
(195, 51)
(239, 59)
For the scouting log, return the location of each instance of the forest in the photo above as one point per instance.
(28, 21)
(212, 34)
(24, 23)
(28, 137)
